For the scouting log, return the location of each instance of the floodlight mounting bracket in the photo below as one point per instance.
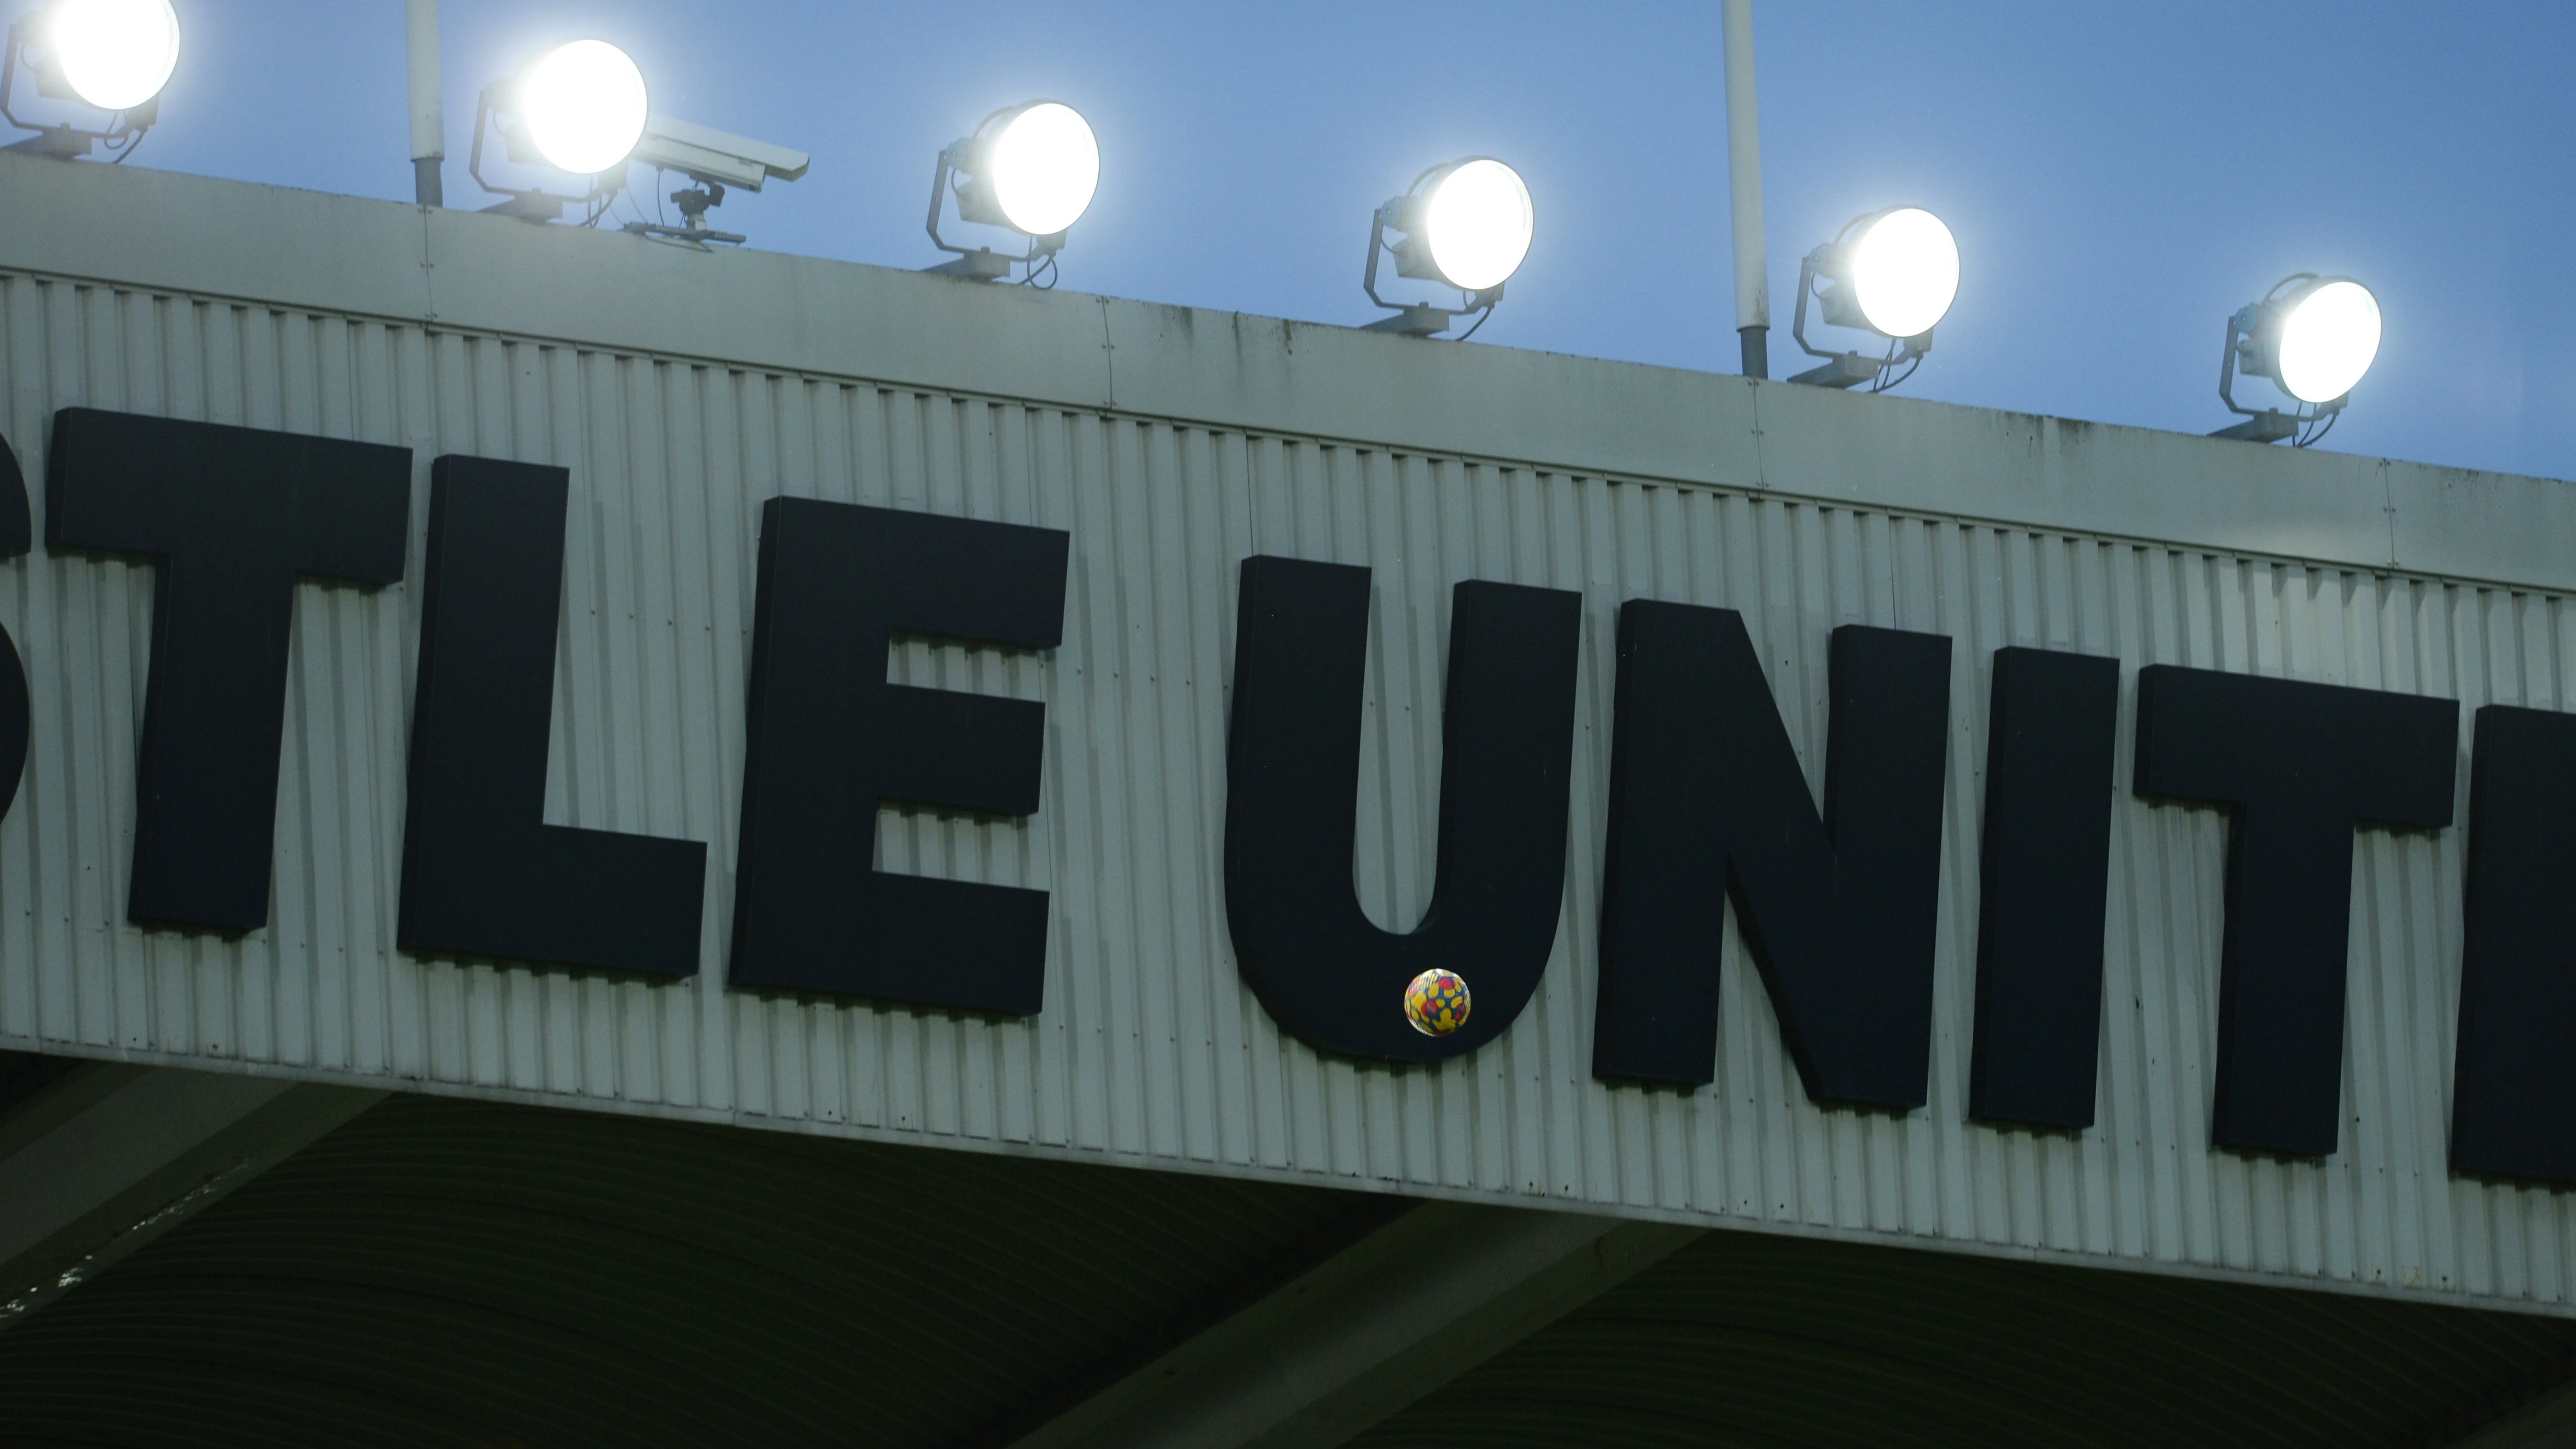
(63, 140)
(967, 157)
(2252, 344)
(2269, 426)
(985, 265)
(1842, 369)
(1403, 214)
(532, 203)
(68, 143)
(1417, 319)
(1847, 369)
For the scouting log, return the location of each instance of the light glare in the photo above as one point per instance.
(2328, 341)
(1478, 224)
(116, 54)
(1044, 167)
(1905, 272)
(584, 106)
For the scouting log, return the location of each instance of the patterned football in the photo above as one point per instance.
(1436, 1002)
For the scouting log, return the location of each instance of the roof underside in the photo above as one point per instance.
(457, 1273)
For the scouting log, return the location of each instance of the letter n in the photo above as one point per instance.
(1707, 803)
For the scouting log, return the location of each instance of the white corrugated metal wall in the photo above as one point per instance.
(1150, 1049)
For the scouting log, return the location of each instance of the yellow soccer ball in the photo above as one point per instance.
(1436, 1002)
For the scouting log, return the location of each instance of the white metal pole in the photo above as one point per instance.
(1744, 177)
(428, 120)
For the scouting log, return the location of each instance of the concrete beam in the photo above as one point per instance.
(1399, 1313)
(110, 1157)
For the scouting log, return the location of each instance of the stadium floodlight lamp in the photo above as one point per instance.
(108, 55)
(2314, 337)
(1029, 168)
(1468, 224)
(1893, 272)
(580, 108)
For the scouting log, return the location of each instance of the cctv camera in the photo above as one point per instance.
(711, 156)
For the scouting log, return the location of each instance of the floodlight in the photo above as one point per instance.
(109, 55)
(1893, 272)
(1467, 224)
(583, 104)
(2314, 337)
(1029, 168)
(578, 107)
(581, 107)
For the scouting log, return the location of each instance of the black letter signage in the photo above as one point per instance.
(2513, 1099)
(1707, 801)
(2045, 871)
(230, 517)
(482, 873)
(2301, 764)
(16, 530)
(828, 738)
(1322, 969)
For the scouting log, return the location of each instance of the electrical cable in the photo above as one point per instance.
(1885, 382)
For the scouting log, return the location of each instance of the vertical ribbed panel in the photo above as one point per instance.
(1150, 1048)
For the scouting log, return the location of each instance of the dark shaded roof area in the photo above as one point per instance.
(452, 1273)
(1754, 1341)
(442, 1272)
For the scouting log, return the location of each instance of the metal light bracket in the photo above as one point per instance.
(530, 203)
(1403, 215)
(1831, 264)
(2253, 347)
(63, 140)
(961, 170)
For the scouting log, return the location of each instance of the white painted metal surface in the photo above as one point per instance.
(1744, 170)
(681, 389)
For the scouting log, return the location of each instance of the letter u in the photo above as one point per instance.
(1328, 975)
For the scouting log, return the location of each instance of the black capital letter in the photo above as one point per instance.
(230, 518)
(2046, 870)
(2513, 1098)
(2301, 764)
(829, 738)
(1292, 808)
(1839, 912)
(482, 873)
(16, 531)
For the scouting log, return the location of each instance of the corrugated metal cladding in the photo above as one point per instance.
(1150, 1049)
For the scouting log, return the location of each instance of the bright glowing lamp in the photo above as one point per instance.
(115, 54)
(1030, 168)
(1893, 273)
(1467, 223)
(583, 104)
(2328, 340)
(1043, 167)
(2314, 337)
(1478, 223)
(1904, 272)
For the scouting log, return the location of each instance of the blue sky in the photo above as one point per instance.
(2120, 178)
